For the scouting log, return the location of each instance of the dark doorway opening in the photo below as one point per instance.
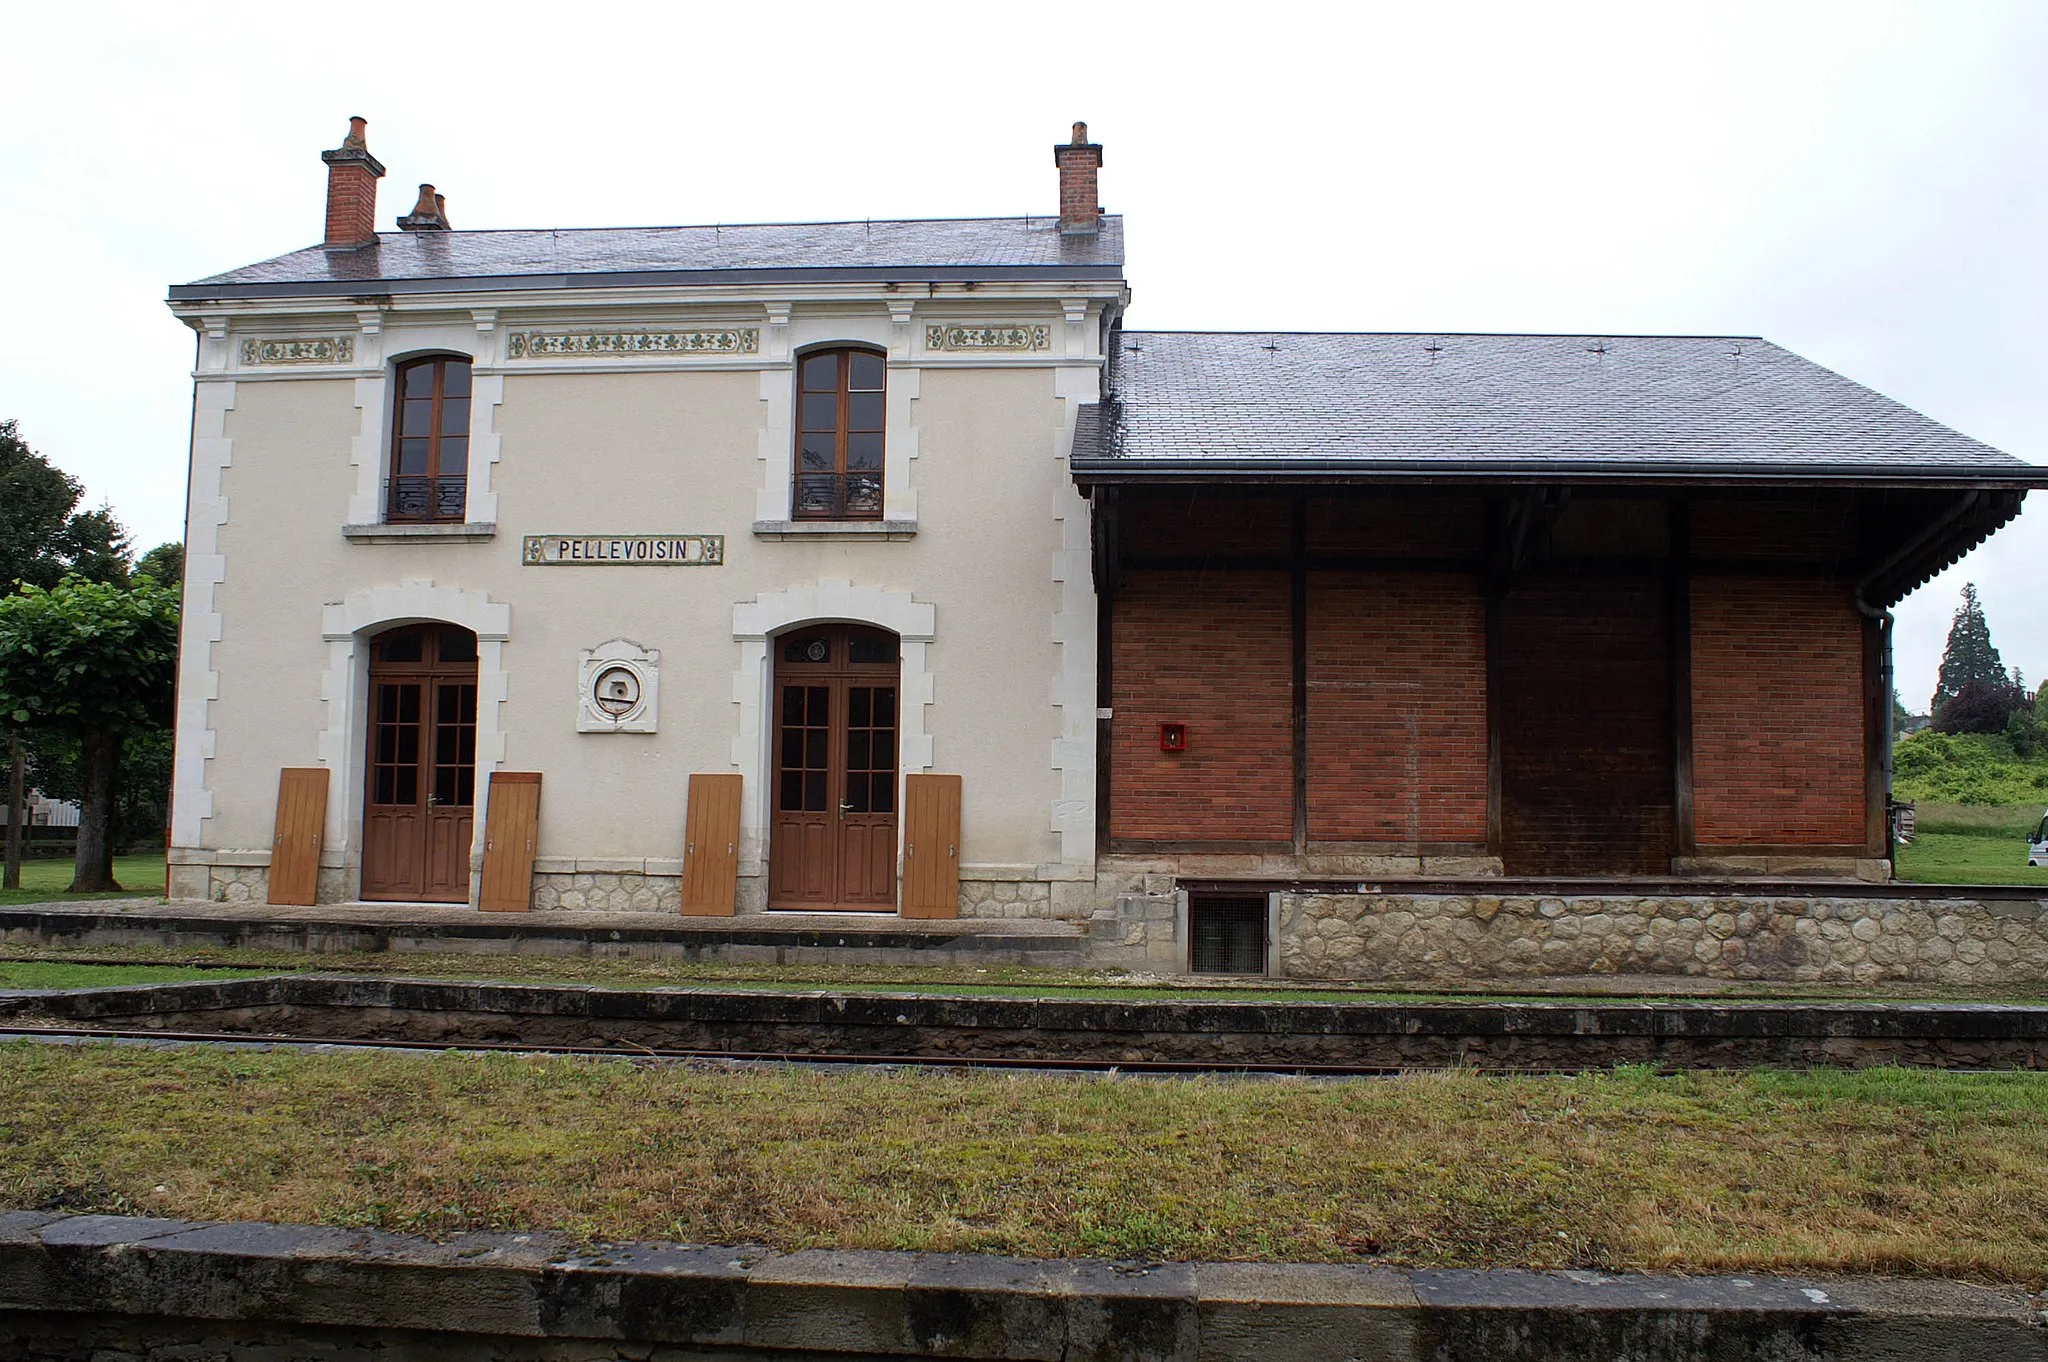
(1586, 749)
(1227, 933)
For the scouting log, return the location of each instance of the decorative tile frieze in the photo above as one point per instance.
(300, 350)
(548, 344)
(988, 338)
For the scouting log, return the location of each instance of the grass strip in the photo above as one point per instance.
(48, 880)
(625, 972)
(63, 974)
(1886, 1170)
(953, 980)
(1972, 844)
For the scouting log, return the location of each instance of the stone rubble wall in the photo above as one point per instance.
(1136, 925)
(624, 892)
(1006, 898)
(1804, 939)
(237, 883)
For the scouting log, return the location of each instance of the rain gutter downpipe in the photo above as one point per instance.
(1963, 506)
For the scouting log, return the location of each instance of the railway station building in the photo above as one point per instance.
(877, 567)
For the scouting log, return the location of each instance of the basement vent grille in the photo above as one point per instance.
(1227, 933)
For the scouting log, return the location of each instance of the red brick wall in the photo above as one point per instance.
(1777, 713)
(1079, 164)
(351, 204)
(1213, 651)
(1396, 708)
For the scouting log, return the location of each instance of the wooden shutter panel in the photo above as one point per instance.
(931, 846)
(301, 821)
(511, 827)
(711, 850)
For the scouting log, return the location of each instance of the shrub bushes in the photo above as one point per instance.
(1969, 768)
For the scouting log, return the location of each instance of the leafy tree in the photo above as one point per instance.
(2021, 733)
(164, 565)
(141, 804)
(44, 537)
(1969, 656)
(97, 663)
(1981, 707)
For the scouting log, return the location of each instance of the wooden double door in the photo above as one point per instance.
(832, 839)
(420, 777)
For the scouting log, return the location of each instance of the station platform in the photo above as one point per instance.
(757, 938)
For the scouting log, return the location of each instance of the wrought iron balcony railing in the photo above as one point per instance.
(838, 496)
(420, 498)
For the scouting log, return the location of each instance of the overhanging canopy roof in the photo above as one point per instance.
(1417, 407)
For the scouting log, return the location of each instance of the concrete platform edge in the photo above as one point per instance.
(722, 1301)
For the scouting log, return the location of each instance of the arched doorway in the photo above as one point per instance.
(832, 838)
(419, 778)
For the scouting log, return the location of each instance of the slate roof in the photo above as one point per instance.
(610, 257)
(1230, 405)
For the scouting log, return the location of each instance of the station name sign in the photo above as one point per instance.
(623, 550)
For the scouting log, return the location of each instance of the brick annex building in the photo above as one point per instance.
(879, 567)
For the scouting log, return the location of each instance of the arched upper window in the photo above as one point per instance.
(430, 441)
(839, 401)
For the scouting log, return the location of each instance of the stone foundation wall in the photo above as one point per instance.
(236, 883)
(1804, 939)
(623, 892)
(251, 883)
(1006, 898)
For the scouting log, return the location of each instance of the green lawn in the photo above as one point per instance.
(1010, 981)
(1885, 1170)
(44, 881)
(1971, 844)
(67, 974)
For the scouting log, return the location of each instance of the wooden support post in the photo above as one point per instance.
(1108, 566)
(1493, 583)
(1679, 582)
(1298, 614)
(1877, 702)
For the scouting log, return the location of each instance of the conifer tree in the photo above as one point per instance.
(1969, 656)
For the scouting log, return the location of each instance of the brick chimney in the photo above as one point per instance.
(430, 214)
(352, 175)
(1078, 161)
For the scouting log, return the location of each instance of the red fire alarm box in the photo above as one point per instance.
(1173, 737)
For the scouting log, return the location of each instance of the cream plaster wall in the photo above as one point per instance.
(290, 456)
(644, 449)
(983, 467)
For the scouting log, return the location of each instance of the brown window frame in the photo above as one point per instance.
(842, 493)
(437, 496)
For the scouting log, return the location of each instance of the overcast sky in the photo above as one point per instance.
(1864, 182)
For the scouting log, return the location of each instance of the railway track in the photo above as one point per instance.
(680, 1055)
(1167, 1036)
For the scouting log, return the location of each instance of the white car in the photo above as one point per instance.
(2037, 845)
